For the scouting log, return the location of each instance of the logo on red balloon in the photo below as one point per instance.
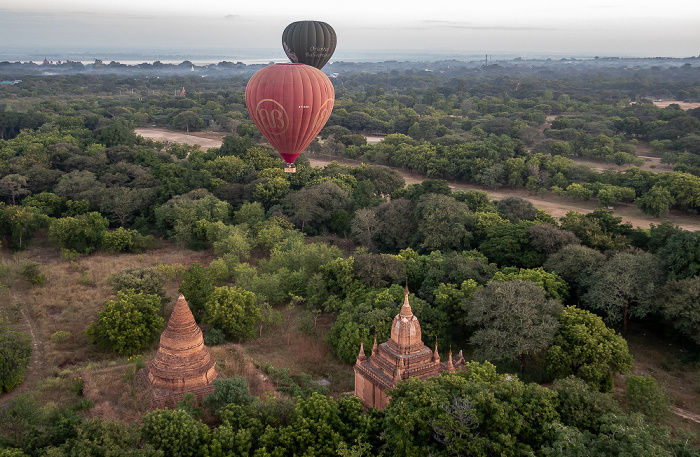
(272, 116)
(323, 113)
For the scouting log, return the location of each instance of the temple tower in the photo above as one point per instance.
(183, 363)
(403, 356)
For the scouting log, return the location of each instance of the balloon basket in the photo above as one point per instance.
(290, 168)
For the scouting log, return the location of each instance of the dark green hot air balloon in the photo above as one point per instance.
(309, 42)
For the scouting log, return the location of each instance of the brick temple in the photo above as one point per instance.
(403, 356)
(182, 364)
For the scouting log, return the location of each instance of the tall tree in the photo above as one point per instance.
(233, 310)
(513, 319)
(586, 348)
(575, 264)
(624, 287)
(128, 324)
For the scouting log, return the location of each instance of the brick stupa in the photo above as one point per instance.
(183, 363)
(403, 356)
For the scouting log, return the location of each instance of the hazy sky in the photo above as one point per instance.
(642, 28)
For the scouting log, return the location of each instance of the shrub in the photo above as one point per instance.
(214, 337)
(232, 390)
(30, 271)
(15, 355)
(146, 280)
(127, 324)
(646, 396)
(83, 233)
(126, 240)
(60, 336)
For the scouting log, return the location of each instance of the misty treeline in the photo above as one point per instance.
(73, 170)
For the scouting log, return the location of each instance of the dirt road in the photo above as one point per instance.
(554, 205)
(205, 140)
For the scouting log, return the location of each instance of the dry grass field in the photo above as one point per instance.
(57, 313)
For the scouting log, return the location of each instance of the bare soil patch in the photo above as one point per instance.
(663, 361)
(683, 105)
(374, 139)
(285, 347)
(205, 140)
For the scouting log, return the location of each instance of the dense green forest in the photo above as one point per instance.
(532, 300)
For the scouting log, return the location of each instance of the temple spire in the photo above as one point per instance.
(406, 308)
(436, 356)
(450, 366)
(374, 347)
(361, 355)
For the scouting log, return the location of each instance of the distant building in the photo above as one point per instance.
(403, 356)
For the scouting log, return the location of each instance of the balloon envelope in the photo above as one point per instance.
(289, 103)
(309, 42)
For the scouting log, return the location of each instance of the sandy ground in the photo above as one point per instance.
(554, 205)
(205, 140)
(684, 105)
(373, 139)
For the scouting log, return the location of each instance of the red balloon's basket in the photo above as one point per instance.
(290, 168)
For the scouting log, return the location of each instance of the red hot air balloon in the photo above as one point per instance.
(289, 103)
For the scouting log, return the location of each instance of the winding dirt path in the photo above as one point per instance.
(685, 414)
(552, 204)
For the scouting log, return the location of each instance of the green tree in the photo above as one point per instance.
(270, 191)
(98, 436)
(122, 203)
(188, 120)
(233, 310)
(581, 405)
(316, 204)
(548, 239)
(178, 217)
(679, 302)
(646, 396)
(624, 287)
(553, 285)
(593, 232)
(117, 133)
(516, 209)
(389, 235)
(20, 223)
(441, 222)
(363, 226)
(196, 286)
(15, 355)
(509, 245)
(513, 319)
(656, 202)
(575, 264)
(174, 432)
(680, 256)
(226, 391)
(141, 280)
(619, 435)
(82, 233)
(584, 347)
(318, 426)
(128, 324)
(475, 412)
(14, 186)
